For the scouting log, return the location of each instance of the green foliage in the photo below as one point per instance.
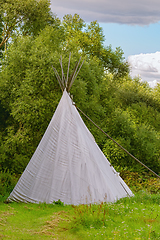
(127, 109)
(28, 94)
(14, 151)
(4, 116)
(113, 62)
(25, 16)
(139, 140)
(31, 93)
(59, 203)
(89, 40)
(1, 31)
(7, 183)
(140, 182)
(132, 114)
(136, 91)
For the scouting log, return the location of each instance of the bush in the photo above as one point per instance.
(141, 181)
(140, 140)
(7, 183)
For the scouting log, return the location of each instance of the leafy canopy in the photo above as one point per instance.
(29, 93)
(24, 16)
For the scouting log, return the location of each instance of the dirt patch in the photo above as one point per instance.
(150, 220)
(56, 225)
(4, 216)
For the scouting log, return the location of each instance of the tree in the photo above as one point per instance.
(26, 16)
(1, 31)
(132, 119)
(89, 40)
(140, 140)
(30, 92)
(114, 62)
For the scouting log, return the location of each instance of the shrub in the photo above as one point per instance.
(141, 181)
(7, 182)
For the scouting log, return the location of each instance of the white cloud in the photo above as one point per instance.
(153, 83)
(147, 66)
(140, 12)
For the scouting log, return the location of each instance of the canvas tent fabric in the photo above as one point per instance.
(68, 165)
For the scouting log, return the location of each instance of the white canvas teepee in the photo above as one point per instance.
(68, 165)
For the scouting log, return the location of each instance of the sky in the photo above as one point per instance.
(132, 25)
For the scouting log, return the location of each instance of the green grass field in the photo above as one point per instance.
(129, 218)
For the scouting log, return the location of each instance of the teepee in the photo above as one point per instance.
(68, 164)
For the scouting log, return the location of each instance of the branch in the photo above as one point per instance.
(7, 33)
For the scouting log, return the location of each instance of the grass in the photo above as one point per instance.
(129, 218)
(27, 221)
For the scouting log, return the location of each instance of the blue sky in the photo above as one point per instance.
(132, 39)
(132, 25)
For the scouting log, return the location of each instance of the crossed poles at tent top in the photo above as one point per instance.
(66, 83)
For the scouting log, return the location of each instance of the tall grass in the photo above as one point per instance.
(129, 218)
